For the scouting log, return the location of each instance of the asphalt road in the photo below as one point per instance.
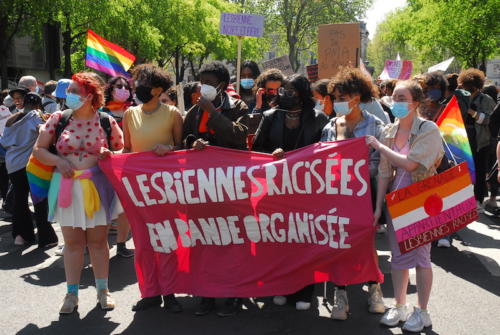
(465, 298)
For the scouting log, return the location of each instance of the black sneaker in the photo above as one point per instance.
(171, 305)
(231, 307)
(206, 306)
(122, 250)
(146, 303)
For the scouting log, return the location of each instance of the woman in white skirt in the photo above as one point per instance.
(80, 197)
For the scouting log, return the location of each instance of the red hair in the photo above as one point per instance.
(90, 85)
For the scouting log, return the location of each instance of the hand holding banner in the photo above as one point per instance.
(223, 222)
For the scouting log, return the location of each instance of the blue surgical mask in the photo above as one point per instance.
(434, 94)
(342, 108)
(400, 109)
(73, 101)
(319, 106)
(247, 83)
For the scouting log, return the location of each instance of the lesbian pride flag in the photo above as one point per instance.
(107, 57)
(452, 129)
(432, 208)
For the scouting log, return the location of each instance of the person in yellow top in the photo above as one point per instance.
(152, 126)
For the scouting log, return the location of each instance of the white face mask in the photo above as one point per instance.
(208, 92)
(319, 106)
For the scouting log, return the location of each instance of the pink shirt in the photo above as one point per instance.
(83, 137)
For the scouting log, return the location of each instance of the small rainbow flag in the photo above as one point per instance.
(107, 57)
(452, 129)
(39, 177)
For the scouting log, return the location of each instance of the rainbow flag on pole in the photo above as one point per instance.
(457, 147)
(107, 57)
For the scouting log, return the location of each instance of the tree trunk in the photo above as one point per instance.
(67, 41)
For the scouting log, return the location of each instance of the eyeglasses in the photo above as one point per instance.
(288, 93)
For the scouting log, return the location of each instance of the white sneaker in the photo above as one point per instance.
(375, 300)
(480, 208)
(417, 321)
(60, 250)
(302, 305)
(341, 305)
(279, 300)
(395, 315)
(443, 243)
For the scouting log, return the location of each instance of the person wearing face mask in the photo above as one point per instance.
(350, 87)
(80, 197)
(152, 126)
(292, 124)
(266, 90)
(118, 98)
(20, 134)
(477, 119)
(249, 73)
(324, 101)
(217, 118)
(434, 85)
(60, 93)
(410, 150)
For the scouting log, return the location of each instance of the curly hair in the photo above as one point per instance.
(153, 76)
(435, 78)
(471, 78)
(350, 81)
(321, 86)
(108, 91)
(413, 86)
(268, 75)
(89, 84)
(219, 70)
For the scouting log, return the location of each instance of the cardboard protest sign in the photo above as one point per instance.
(242, 24)
(432, 208)
(338, 45)
(397, 69)
(281, 63)
(222, 222)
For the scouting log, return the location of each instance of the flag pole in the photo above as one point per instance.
(238, 65)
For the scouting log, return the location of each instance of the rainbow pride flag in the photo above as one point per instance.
(107, 57)
(39, 176)
(452, 129)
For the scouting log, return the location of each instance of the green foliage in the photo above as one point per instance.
(429, 31)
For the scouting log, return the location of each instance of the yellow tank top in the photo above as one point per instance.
(147, 130)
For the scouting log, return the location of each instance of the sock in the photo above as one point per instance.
(101, 284)
(73, 288)
(120, 245)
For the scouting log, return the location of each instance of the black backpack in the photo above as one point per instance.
(66, 115)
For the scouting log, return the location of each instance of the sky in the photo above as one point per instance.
(378, 12)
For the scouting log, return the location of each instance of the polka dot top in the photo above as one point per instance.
(83, 138)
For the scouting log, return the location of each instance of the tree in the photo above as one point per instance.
(297, 21)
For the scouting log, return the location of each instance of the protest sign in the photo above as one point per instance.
(443, 66)
(242, 24)
(493, 71)
(281, 63)
(223, 222)
(338, 45)
(432, 208)
(397, 69)
(312, 72)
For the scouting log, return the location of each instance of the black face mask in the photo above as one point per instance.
(143, 93)
(286, 102)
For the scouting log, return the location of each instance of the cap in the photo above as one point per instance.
(61, 88)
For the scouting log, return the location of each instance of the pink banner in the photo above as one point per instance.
(397, 69)
(228, 223)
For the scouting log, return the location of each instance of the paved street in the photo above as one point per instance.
(465, 298)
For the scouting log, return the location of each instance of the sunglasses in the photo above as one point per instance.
(288, 93)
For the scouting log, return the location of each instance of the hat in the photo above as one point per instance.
(20, 90)
(32, 99)
(61, 88)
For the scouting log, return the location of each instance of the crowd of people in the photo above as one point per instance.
(73, 123)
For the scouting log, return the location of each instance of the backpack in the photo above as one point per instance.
(66, 115)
